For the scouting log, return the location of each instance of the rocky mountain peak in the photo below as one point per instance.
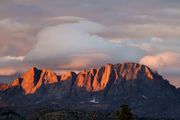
(98, 79)
(34, 79)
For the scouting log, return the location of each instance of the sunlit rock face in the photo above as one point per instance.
(34, 79)
(98, 79)
(120, 81)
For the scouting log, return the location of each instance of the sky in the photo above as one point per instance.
(73, 35)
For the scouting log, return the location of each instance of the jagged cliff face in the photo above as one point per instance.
(111, 85)
(97, 79)
(34, 79)
(93, 80)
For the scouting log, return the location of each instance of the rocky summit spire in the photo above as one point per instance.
(34, 79)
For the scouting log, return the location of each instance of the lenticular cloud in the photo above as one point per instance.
(61, 44)
(70, 38)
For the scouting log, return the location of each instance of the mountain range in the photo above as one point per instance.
(103, 89)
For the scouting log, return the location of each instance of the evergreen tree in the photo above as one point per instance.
(124, 113)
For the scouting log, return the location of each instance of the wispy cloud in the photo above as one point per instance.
(7, 71)
(10, 25)
(11, 58)
(161, 60)
(84, 61)
(66, 18)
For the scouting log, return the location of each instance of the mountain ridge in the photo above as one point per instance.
(105, 88)
(33, 78)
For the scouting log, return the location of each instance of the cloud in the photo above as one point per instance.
(166, 63)
(144, 46)
(11, 58)
(157, 39)
(25, 2)
(66, 18)
(85, 61)
(145, 30)
(66, 39)
(149, 45)
(7, 71)
(10, 25)
(11, 65)
(171, 11)
(161, 60)
(16, 38)
(65, 44)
